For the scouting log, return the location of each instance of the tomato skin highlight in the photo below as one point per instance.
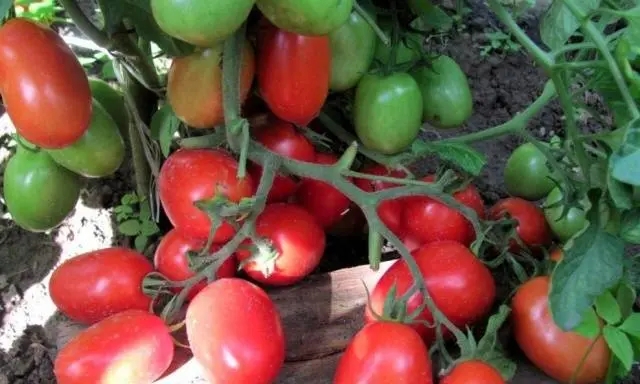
(473, 372)
(552, 350)
(382, 353)
(194, 85)
(460, 284)
(95, 285)
(532, 226)
(132, 347)
(526, 173)
(293, 73)
(235, 333)
(189, 175)
(306, 17)
(44, 88)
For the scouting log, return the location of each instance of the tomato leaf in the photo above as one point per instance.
(164, 124)
(621, 193)
(141, 242)
(149, 228)
(488, 342)
(113, 13)
(625, 162)
(592, 265)
(461, 155)
(430, 17)
(626, 297)
(5, 5)
(129, 227)
(590, 325)
(559, 24)
(630, 226)
(620, 345)
(607, 307)
(631, 325)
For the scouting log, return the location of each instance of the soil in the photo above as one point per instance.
(502, 85)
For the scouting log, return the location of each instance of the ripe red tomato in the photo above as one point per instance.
(235, 333)
(189, 175)
(473, 372)
(95, 285)
(282, 138)
(132, 347)
(298, 239)
(382, 353)
(460, 284)
(44, 88)
(171, 260)
(326, 203)
(293, 73)
(554, 351)
(532, 226)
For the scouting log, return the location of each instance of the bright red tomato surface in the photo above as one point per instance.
(44, 88)
(284, 139)
(95, 285)
(293, 73)
(171, 259)
(235, 333)
(189, 175)
(460, 284)
(473, 372)
(298, 240)
(385, 353)
(132, 347)
(532, 225)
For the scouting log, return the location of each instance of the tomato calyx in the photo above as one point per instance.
(395, 309)
(264, 255)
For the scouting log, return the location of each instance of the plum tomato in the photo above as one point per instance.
(526, 173)
(473, 372)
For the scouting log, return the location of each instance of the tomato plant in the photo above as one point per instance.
(531, 225)
(526, 173)
(306, 17)
(473, 372)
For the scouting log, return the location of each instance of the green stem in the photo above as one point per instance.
(583, 360)
(375, 250)
(576, 65)
(367, 17)
(572, 47)
(85, 25)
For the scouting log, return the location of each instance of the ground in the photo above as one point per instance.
(502, 86)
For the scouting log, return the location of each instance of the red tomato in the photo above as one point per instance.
(95, 285)
(298, 239)
(428, 220)
(44, 87)
(171, 260)
(326, 203)
(459, 283)
(132, 347)
(282, 138)
(293, 73)
(473, 372)
(189, 175)
(235, 333)
(554, 351)
(384, 353)
(556, 255)
(532, 225)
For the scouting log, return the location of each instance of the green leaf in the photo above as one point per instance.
(461, 155)
(130, 227)
(113, 11)
(626, 297)
(149, 228)
(630, 226)
(631, 325)
(108, 72)
(607, 307)
(620, 345)
(592, 265)
(141, 242)
(129, 198)
(5, 5)
(559, 24)
(430, 17)
(621, 193)
(590, 325)
(145, 210)
(164, 124)
(625, 163)
(488, 342)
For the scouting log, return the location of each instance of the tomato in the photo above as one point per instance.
(554, 351)
(95, 285)
(473, 372)
(235, 333)
(446, 94)
(293, 73)
(113, 102)
(306, 17)
(406, 51)
(282, 138)
(171, 260)
(352, 49)
(99, 152)
(526, 173)
(132, 347)
(326, 203)
(201, 22)
(427, 220)
(460, 284)
(296, 237)
(194, 85)
(387, 112)
(44, 88)
(39, 193)
(565, 227)
(189, 175)
(532, 227)
(556, 255)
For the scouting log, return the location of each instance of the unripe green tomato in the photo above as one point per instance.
(39, 193)
(113, 102)
(576, 218)
(306, 17)
(526, 173)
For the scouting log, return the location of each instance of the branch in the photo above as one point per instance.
(85, 25)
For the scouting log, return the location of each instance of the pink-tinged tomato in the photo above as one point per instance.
(189, 175)
(132, 347)
(172, 262)
(460, 284)
(385, 353)
(95, 285)
(297, 239)
(532, 227)
(473, 372)
(235, 333)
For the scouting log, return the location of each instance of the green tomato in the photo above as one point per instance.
(526, 173)
(306, 17)
(352, 49)
(99, 152)
(113, 102)
(38, 192)
(388, 112)
(446, 93)
(204, 23)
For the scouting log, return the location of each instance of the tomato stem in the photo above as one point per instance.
(365, 15)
